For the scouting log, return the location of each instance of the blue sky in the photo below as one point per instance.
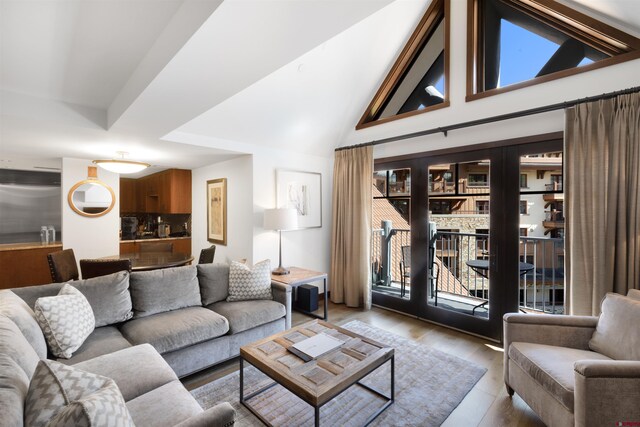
(523, 54)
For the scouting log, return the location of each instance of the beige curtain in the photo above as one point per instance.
(602, 152)
(351, 231)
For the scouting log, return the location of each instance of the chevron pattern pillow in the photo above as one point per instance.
(247, 283)
(66, 320)
(61, 395)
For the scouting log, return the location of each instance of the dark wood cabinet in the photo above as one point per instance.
(128, 195)
(180, 245)
(167, 192)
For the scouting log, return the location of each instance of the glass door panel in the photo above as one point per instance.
(391, 234)
(459, 222)
(541, 286)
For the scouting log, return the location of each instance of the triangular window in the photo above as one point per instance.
(516, 43)
(418, 81)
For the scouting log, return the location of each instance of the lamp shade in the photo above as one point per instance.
(280, 219)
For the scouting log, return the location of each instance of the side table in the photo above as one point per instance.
(300, 276)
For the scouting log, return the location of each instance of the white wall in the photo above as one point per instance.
(239, 174)
(309, 248)
(89, 237)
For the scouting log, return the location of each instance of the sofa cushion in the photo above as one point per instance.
(166, 406)
(634, 293)
(617, 334)
(249, 283)
(14, 385)
(66, 320)
(14, 307)
(158, 291)
(243, 315)
(108, 296)
(551, 367)
(54, 387)
(214, 282)
(177, 329)
(136, 370)
(30, 294)
(14, 345)
(104, 340)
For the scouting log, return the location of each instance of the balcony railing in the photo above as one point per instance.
(541, 287)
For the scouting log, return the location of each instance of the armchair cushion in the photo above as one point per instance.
(617, 334)
(552, 367)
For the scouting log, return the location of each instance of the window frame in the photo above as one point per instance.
(622, 46)
(439, 9)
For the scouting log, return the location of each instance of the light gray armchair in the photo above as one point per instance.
(577, 370)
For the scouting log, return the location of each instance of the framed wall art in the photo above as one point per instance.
(302, 191)
(217, 211)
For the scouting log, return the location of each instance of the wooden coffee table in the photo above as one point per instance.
(318, 381)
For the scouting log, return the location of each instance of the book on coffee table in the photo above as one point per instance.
(314, 347)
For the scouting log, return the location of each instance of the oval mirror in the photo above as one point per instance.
(91, 198)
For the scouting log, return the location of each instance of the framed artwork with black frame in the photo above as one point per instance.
(302, 191)
(217, 211)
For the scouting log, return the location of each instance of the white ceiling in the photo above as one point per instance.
(186, 83)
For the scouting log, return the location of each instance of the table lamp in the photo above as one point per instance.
(281, 219)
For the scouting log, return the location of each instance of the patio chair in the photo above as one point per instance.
(62, 265)
(405, 269)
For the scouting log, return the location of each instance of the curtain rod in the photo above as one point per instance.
(492, 119)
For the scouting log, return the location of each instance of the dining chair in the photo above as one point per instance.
(62, 265)
(156, 247)
(102, 267)
(206, 255)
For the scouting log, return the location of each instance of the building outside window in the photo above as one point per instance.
(478, 180)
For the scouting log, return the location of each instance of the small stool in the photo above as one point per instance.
(307, 297)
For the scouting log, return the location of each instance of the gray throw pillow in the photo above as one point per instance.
(169, 289)
(247, 283)
(617, 334)
(66, 320)
(214, 282)
(14, 307)
(109, 297)
(61, 395)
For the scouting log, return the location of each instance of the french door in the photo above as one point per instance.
(448, 232)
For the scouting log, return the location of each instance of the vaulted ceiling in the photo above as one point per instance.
(185, 83)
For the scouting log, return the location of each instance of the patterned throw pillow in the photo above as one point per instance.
(246, 283)
(61, 395)
(66, 320)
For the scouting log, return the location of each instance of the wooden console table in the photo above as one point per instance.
(300, 276)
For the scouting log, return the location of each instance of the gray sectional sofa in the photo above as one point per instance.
(151, 328)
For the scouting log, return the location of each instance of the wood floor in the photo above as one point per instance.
(487, 404)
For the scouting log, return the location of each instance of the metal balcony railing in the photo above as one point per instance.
(541, 287)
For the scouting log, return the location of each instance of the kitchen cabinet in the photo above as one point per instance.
(167, 192)
(128, 195)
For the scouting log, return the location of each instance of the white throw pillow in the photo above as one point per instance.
(249, 283)
(61, 395)
(66, 320)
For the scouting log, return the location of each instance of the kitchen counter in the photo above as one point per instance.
(30, 245)
(155, 239)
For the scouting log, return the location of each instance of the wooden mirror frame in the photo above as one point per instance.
(91, 181)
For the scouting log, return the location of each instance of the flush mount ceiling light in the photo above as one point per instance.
(121, 165)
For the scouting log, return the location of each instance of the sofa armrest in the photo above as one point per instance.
(557, 330)
(282, 294)
(607, 392)
(136, 370)
(221, 415)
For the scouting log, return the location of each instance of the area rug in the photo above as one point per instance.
(429, 385)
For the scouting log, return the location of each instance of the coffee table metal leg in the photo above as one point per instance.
(241, 380)
(317, 416)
